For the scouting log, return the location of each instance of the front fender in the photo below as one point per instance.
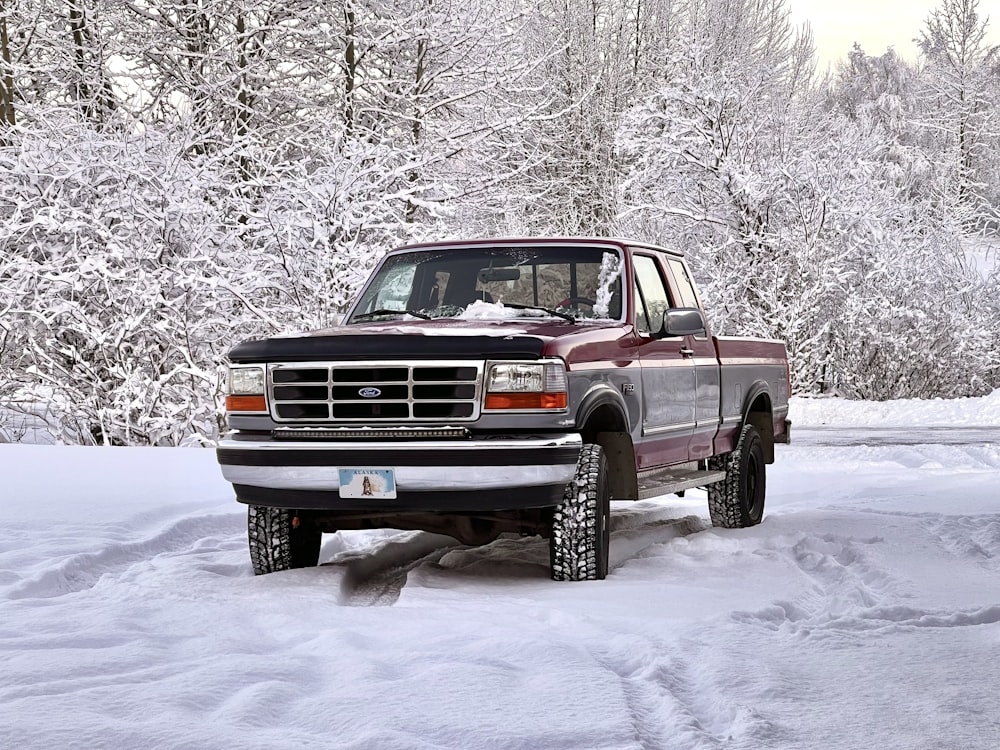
(601, 394)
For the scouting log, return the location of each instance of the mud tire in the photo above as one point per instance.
(578, 545)
(738, 501)
(275, 544)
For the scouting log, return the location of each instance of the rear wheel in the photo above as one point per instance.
(738, 501)
(277, 543)
(578, 545)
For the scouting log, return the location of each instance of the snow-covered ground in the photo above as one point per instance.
(863, 613)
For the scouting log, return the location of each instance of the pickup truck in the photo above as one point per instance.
(485, 387)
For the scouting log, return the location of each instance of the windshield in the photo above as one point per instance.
(579, 282)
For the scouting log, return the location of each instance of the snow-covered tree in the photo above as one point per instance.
(114, 296)
(556, 169)
(962, 119)
(707, 153)
(812, 224)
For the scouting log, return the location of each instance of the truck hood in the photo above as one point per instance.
(441, 338)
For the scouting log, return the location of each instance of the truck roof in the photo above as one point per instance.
(512, 241)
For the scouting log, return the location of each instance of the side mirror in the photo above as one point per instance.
(683, 321)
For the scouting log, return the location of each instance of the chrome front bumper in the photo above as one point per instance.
(422, 466)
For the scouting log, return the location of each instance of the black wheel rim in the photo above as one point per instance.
(604, 519)
(754, 488)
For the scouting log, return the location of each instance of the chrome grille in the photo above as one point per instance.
(375, 392)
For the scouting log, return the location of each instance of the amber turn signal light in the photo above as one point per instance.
(526, 401)
(245, 403)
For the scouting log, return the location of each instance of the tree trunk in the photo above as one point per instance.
(7, 113)
(98, 101)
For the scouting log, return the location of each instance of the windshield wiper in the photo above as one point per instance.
(376, 313)
(549, 310)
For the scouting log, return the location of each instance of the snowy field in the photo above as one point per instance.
(863, 613)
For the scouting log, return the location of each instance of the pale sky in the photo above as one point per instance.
(875, 24)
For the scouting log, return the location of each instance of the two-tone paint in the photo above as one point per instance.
(656, 401)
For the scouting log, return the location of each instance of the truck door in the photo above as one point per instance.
(706, 365)
(669, 386)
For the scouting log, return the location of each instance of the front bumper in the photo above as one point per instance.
(445, 475)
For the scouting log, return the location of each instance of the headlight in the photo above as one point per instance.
(526, 386)
(245, 381)
(516, 378)
(246, 390)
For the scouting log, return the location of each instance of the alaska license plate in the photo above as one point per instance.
(378, 484)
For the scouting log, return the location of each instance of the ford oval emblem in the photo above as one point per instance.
(369, 393)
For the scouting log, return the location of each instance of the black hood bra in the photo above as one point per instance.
(385, 346)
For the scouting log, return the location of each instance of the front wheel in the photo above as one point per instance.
(277, 543)
(578, 545)
(738, 500)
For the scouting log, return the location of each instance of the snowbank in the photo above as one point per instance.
(836, 412)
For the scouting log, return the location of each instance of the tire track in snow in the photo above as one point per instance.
(636, 533)
(976, 537)
(852, 595)
(964, 537)
(654, 690)
(891, 618)
(375, 578)
(85, 570)
(674, 702)
(845, 581)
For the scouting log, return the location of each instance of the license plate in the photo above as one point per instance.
(378, 484)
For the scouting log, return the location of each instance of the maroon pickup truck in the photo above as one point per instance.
(484, 387)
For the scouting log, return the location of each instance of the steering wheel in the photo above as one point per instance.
(576, 301)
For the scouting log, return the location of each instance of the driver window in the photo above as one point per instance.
(394, 291)
(653, 293)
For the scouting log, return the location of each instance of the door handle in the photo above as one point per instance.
(687, 352)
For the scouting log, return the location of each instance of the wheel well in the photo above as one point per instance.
(759, 416)
(606, 427)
